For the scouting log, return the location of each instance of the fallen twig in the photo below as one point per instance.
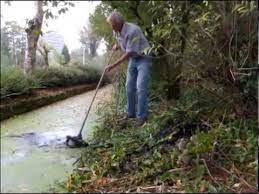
(205, 164)
(249, 69)
(239, 178)
(178, 169)
(76, 161)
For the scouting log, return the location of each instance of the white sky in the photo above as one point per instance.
(68, 24)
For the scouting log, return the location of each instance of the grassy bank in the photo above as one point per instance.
(21, 93)
(195, 144)
(15, 82)
(37, 98)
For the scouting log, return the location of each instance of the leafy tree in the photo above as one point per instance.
(33, 30)
(99, 25)
(76, 55)
(89, 40)
(5, 49)
(66, 54)
(158, 23)
(195, 39)
(16, 39)
(44, 49)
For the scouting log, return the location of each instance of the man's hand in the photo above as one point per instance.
(124, 57)
(109, 67)
(115, 47)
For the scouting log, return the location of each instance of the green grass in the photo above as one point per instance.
(219, 152)
(13, 80)
(65, 76)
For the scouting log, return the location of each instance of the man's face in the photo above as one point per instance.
(115, 26)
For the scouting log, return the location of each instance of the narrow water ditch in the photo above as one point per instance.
(33, 153)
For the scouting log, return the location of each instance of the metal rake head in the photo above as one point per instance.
(75, 141)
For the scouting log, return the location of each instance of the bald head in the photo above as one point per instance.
(116, 20)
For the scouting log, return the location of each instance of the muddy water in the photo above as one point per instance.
(33, 153)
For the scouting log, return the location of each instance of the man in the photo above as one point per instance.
(133, 43)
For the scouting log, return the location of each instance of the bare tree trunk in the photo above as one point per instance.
(33, 32)
(20, 58)
(14, 53)
(46, 58)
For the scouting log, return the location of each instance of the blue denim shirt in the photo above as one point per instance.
(132, 39)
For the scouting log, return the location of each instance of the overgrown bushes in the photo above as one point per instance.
(65, 76)
(186, 146)
(13, 80)
(201, 133)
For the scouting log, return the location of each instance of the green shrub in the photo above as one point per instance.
(13, 80)
(6, 61)
(91, 73)
(65, 76)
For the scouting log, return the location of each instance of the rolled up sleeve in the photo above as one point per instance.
(133, 43)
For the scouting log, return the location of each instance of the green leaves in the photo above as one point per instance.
(71, 4)
(244, 8)
(66, 54)
(63, 10)
(201, 142)
(202, 18)
(13, 80)
(166, 176)
(49, 14)
(196, 34)
(60, 6)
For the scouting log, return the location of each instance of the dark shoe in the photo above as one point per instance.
(125, 117)
(140, 122)
(124, 121)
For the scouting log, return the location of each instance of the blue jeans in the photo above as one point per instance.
(137, 83)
